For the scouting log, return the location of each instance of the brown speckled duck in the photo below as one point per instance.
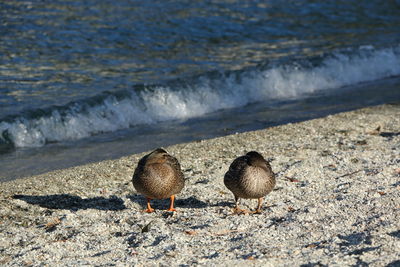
(250, 176)
(158, 176)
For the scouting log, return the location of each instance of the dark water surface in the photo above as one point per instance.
(82, 81)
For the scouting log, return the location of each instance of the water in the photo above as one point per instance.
(82, 81)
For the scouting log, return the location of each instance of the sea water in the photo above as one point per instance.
(82, 81)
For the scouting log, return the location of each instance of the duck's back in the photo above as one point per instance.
(158, 179)
(247, 179)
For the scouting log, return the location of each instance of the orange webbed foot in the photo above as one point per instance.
(171, 209)
(257, 211)
(240, 211)
(237, 210)
(148, 210)
(171, 204)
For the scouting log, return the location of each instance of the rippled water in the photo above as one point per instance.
(73, 70)
(53, 52)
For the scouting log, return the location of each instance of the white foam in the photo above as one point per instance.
(165, 103)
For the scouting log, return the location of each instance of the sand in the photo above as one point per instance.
(336, 203)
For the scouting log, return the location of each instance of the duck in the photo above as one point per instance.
(251, 177)
(158, 175)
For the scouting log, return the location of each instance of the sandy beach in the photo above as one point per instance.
(336, 203)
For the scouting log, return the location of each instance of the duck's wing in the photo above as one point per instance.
(140, 167)
(175, 165)
(237, 167)
(173, 162)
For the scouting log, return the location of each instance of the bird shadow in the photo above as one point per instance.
(188, 203)
(191, 202)
(73, 203)
(389, 135)
(224, 204)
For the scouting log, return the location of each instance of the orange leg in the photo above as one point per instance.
(171, 204)
(237, 210)
(258, 210)
(149, 208)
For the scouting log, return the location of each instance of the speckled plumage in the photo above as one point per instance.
(158, 175)
(250, 176)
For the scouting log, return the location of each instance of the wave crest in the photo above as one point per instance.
(204, 95)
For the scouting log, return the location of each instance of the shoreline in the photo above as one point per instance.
(336, 203)
(113, 145)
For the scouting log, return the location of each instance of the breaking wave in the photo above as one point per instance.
(194, 97)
